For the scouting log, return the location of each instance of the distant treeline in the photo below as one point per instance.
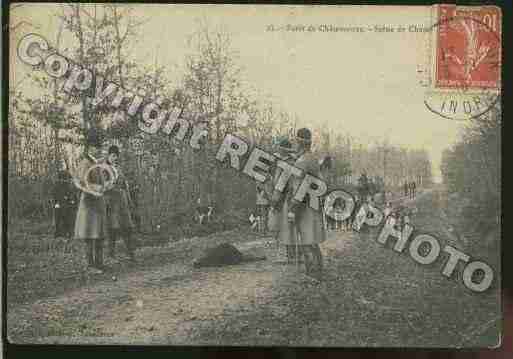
(170, 176)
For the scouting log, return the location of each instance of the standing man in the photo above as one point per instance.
(119, 217)
(64, 196)
(308, 221)
(357, 205)
(405, 188)
(280, 200)
(134, 201)
(90, 223)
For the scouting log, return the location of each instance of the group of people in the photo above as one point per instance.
(369, 186)
(299, 228)
(105, 212)
(410, 189)
(296, 225)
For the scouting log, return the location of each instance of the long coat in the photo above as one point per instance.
(65, 199)
(309, 222)
(90, 222)
(286, 230)
(119, 215)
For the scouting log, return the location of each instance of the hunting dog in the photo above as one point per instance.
(203, 214)
(255, 222)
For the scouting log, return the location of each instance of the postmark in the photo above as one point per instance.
(467, 62)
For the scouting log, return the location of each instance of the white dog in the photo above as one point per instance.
(203, 212)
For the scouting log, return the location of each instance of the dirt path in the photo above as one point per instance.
(371, 296)
(163, 305)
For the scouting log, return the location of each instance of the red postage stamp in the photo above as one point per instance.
(468, 52)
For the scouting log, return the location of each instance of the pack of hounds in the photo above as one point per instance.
(202, 215)
(395, 216)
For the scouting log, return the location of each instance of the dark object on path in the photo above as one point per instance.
(222, 255)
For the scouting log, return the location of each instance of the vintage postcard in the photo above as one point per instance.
(255, 175)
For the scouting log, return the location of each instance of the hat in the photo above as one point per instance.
(114, 149)
(305, 134)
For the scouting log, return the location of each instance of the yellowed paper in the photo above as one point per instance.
(369, 136)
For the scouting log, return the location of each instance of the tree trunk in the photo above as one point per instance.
(80, 36)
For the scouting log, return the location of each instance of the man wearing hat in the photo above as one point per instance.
(308, 221)
(280, 200)
(90, 223)
(119, 216)
(64, 196)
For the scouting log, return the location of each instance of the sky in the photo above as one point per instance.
(362, 83)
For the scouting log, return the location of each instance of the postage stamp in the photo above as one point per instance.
(468, 52)
(466, 66)
(253, 175)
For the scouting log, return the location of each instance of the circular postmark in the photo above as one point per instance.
(461, 105)
(467, 63)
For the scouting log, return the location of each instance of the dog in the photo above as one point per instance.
(174, 227)
(254, 221)
(257, 223)
(204, 214)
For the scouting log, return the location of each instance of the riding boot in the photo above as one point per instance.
(112, 242)
(318, 257)
(289, 251)
(98, 255)
(129, 243)
(89, 252)
(308, 258)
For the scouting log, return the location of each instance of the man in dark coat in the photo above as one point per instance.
(363, 185)
(134, 201)
(119, 216)
(413, 188)
(65, 204)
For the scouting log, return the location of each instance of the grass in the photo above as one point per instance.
(373, 296)
(41, 266)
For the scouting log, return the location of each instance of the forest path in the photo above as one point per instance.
(371, 296)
